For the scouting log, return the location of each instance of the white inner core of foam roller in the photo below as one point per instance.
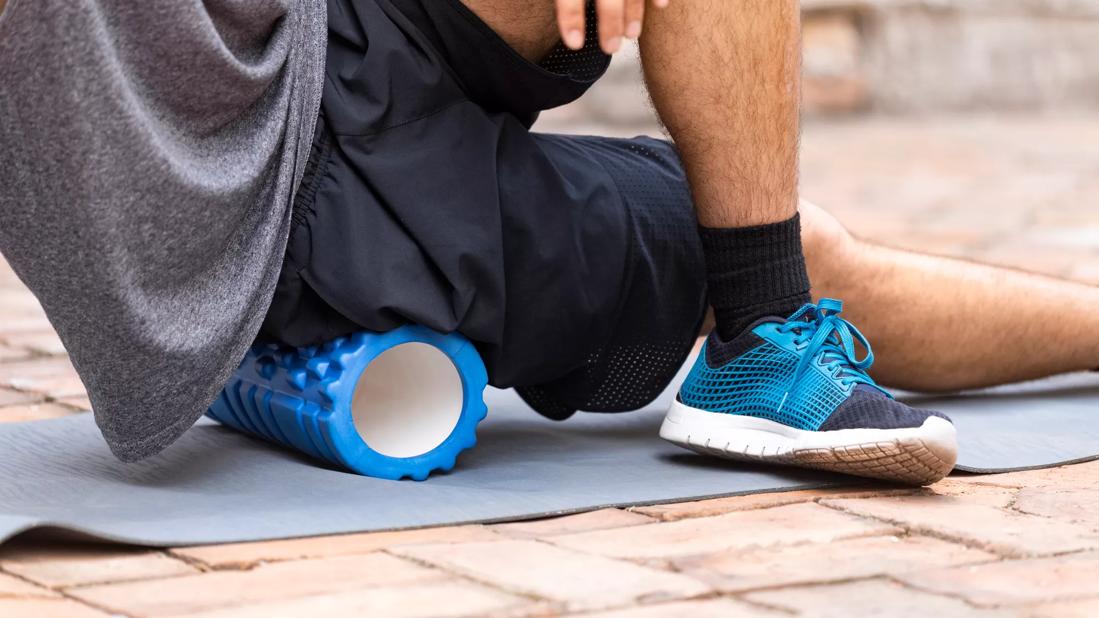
(408, 400)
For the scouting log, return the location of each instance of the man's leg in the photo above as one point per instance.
(781, 380)
(724, 78)
(945, 324)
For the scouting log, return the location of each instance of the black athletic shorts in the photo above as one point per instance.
(573, 263)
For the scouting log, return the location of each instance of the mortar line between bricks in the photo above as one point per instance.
(35, 402)
(918, 530)
(1068, 599)
(839, 581)
(870, 493)
(255, 563)
(63, 593)
(1015, 509)
(659, 564)
(103, 608)
(58, 401)
(639, 603)
(854, 579)
(133, 580)
(1013, 506)
(910, 531)
(31, 354)
(741, 595)
(981, 482)
(742, 598)
(250, 565)
(955, 596)
(710, 596)
(471, 578)
(199, 564)
(670, 564)
(27, 391)
(26, 580)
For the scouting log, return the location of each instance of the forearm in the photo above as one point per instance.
(725, 77)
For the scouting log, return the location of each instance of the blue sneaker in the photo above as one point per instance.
(792, 391)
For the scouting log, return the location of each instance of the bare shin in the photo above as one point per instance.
(724, 77)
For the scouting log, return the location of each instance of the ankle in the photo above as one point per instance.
(754, 272)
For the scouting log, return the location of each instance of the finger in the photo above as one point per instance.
(660, 4)
(570, 20)
(635, 17)
(612, 15)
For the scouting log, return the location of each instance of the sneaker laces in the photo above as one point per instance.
(819, 331)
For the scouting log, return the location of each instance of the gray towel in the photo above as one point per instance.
(150, 153)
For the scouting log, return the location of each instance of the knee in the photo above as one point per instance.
(822, 234)
(830, 251)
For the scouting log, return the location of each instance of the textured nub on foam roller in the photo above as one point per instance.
(388, 405)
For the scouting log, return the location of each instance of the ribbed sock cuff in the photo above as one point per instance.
(754, 272)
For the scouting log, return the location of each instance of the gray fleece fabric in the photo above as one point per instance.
(149, 153)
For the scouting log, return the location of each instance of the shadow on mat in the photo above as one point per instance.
(703, 462)
(207, 452)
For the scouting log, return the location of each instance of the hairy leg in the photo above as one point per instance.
(724, 78)
(740, 61)
(940, 324)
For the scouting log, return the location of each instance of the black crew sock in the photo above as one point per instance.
(754, 272)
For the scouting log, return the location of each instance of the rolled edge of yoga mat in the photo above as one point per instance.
(389, 405)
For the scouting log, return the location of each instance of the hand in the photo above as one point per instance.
(617, 19)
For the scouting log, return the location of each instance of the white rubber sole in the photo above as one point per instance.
(913, 455)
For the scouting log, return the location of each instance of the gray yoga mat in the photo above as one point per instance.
(217, 486)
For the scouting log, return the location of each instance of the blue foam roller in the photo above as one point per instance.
(415, 415)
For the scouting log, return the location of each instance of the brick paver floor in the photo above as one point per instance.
(1017, 191)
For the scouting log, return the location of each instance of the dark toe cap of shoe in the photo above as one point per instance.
(869, 408)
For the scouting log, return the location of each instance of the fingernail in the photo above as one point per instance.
(612, 45)
(660, 3)
(574, 39)
(633, 30)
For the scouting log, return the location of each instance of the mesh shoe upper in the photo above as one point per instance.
(801, 372)
(754, 384)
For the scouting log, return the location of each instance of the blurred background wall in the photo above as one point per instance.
(965, 127)
(909, 56)
(918, 57)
